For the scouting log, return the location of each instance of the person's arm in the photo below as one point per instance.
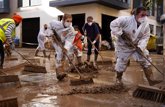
(96, 32)
(42, 32)
(117, 25)
(144, 40)
(8, 32)
(84, 28)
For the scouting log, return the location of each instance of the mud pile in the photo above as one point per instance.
(84, 68)
(102, 89)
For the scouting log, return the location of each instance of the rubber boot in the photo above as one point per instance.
(60, 73)
(95, 61)
(44, 52)
(79, 61)
(149, 75)
(36, 52)
(128, 63)
(119, 78)
(1, 67)
(88, 59)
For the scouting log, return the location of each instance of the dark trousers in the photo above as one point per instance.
(90, 47)
(1, 53)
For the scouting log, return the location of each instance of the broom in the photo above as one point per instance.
(32, 68)
(147, 92)
(150, 93)
(9, 102)
(81, 80)
(9, 78)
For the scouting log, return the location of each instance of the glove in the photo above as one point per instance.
(125, 36)
(127, 39)
(93, 42)
(64, 50)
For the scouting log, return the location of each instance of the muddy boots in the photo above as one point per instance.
(1, 67)
(95, 61)
(36, 52)
(44, 52)
(79, 61)
(60, 73)
(88, 59)
(149, 75)
(119, 78)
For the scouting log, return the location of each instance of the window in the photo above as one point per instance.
(152, 9)
(124, 1)
(151, 29)
(4, 6)
(159, 31)
(1, 4)
(27, 3)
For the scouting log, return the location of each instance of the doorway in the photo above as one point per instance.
(30, 29)
(106, 35)
(79, 20)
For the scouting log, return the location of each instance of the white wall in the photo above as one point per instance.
(96, 10)
(47, 13)
(43, 11)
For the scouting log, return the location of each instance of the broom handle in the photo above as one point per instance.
(23, 56)
(58, 43)
(3, 72)
(96, 49)
(131, 43)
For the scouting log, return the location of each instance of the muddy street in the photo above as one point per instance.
(44, 90)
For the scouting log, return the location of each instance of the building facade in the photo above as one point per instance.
(35, 14)
(38, 12)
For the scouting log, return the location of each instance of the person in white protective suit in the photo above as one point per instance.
(66, 34)
(137, 29)
(41, 39)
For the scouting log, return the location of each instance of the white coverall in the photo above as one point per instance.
(41, 38)
(139, 37)
(66, 39)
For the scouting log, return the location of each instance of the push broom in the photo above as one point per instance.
(148, 92)
(32, 68)
(82, 80)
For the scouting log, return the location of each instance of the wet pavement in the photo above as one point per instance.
(43, 90)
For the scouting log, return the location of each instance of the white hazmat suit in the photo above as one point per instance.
(139, 36)
(41, 38)
(67, 40)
